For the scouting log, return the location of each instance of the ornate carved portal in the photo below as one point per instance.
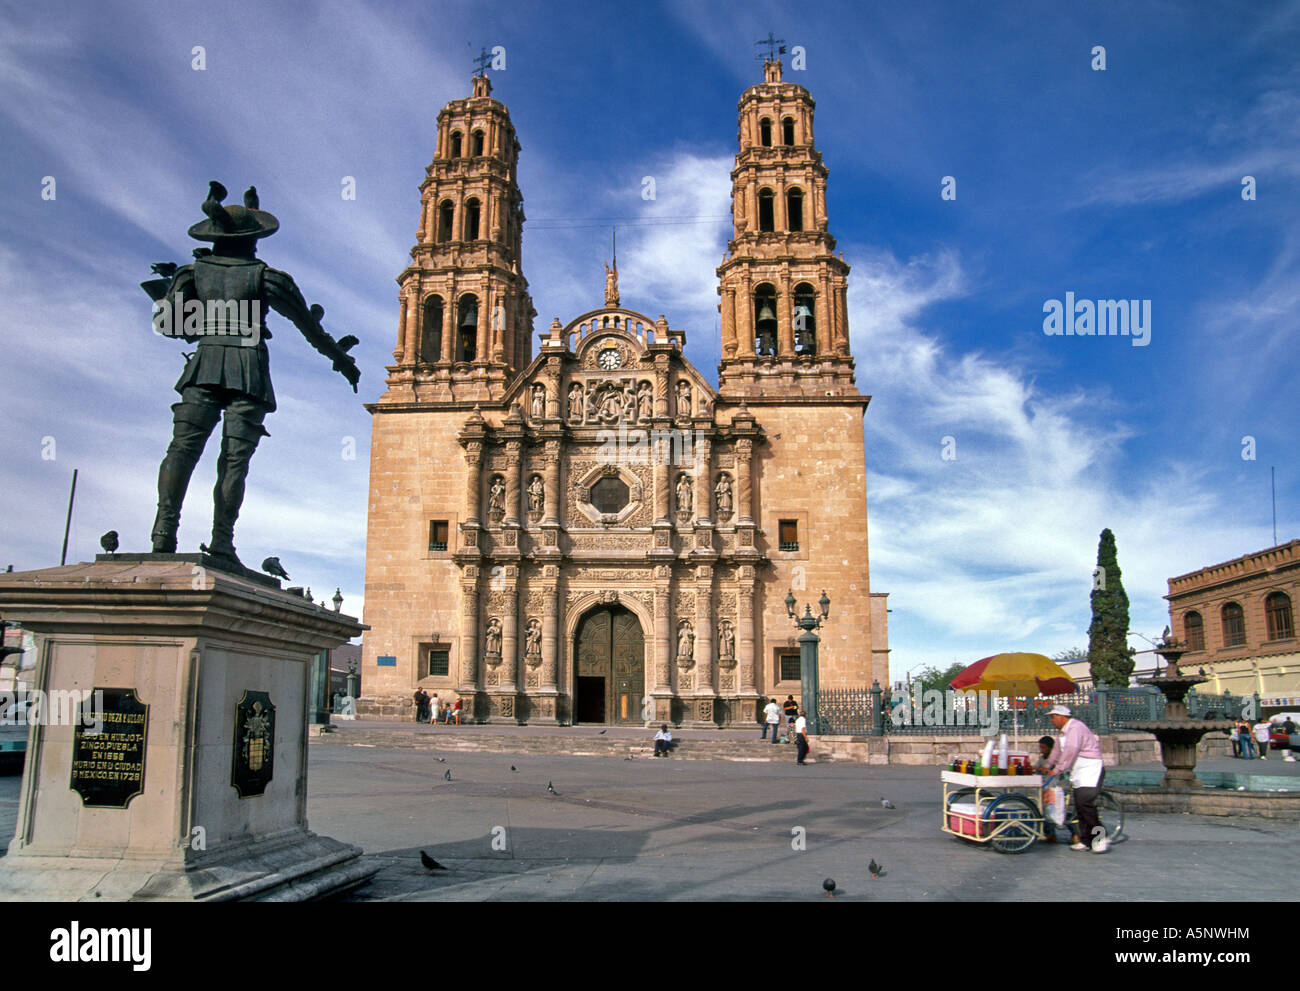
(609, 675)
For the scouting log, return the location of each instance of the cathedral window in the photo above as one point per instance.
(1194, 631)
(431, 340)
(471, 220)
(789, 535)
(467, 324)
(478, 143)
(610, 494)
(805, 319)
(438, 662)
(765, 133)
(445, 210)
(1277, 607)
(1234, 625)
(438, 531)
(766, 221)
(765, 320)
(787, 131)
(789, 668)
(455, 144)
(794, 209)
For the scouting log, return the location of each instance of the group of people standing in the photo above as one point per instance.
(1246, 738)
(428, 709)
(788, 723)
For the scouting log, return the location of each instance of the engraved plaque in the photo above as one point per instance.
(108, 766)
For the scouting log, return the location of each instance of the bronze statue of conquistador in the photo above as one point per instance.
(221, 301)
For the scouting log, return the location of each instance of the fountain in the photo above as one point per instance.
(1178, 734)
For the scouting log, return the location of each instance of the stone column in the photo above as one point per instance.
(551, 499)
(473, 481)
(744, 474)
(514, 462)
(510, 631)
(663, 641)
(704, 639)
(661, 384)
(449, 325)
(703, 469)
(469, 650)
(483, 332)
(841, 319)
(784, 323)
(745, 637)
(745, 319)
(729, 323)
(399, 352)
(550, 637)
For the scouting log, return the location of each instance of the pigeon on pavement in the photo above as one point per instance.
(551, 788)
(441, 760)
(602, 732)
(430, 865)
(829, 886)
(447, 776)
(885, 803)
(513, 768)
(875, 868)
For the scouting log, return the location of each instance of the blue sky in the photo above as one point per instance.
(1122, 183)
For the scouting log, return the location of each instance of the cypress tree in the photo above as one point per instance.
(1109, 656)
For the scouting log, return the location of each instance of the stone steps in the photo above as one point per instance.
(449, 741)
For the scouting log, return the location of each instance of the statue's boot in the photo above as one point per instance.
(239, 439)
(192, 423)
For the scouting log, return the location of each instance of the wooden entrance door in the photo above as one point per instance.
(609, 680)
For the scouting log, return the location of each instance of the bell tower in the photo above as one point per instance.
(784, 317)
(466, 316)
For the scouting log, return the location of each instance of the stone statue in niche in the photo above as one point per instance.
(536, 494)
(722, 494)
(685, 494)
(685, 644)
(645, 401)
(726, 640)
(538, 409)
(533, 642)
(497, 498)
(576, 404)
(683, 398)
(492, 637)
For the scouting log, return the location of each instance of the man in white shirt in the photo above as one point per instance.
(801, 737)
(663, 739)
(1262, 730)
(772, 717)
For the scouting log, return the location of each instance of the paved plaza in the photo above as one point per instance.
(621, 830)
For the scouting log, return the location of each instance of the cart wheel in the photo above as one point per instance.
(1111, 815)
(961, 795)
(1017, 820)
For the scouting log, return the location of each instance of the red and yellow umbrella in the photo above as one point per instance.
(1015, 674)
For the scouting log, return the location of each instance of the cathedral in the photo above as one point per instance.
(595, 533)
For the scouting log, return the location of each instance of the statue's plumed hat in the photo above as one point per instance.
(233, 221)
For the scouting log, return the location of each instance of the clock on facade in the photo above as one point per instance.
(609, 358)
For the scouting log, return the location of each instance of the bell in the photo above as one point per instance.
(469, 319)
(766, 314)
(802, 311)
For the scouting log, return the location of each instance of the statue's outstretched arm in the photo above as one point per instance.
(283, 296)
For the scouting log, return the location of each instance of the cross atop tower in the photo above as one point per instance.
(775, 47)
(482, 60)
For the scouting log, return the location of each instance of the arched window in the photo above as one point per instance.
(467, 328)
(765, 133)
(787, 131)
(1277, 607)
(765, 213)
(794, 209)
(765, 319)
(471, 219)
(1194, 631)
(805, 319)
(1234, 625)
(444, 221)
(431, 339)
(478, 143)
(455, 144)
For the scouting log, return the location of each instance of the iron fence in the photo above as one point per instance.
(874, 712)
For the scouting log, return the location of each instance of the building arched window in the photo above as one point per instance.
(467, 328)
(765, 319)
(1277, 608)
(431, 337)
(1234, 625)
(765, 133)
(471, 219)
(455, 144)
(794, 209)
(766, 215)
(805, 319)
(445, 210)
(787, 131)
(1194, 631)
(478, 143)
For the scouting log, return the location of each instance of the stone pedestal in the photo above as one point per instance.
(190, 643)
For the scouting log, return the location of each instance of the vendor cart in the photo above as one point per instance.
(1002, 810)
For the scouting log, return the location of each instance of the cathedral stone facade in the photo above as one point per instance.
(596, 534)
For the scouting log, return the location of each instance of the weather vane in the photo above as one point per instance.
(482, 59)
(775, 47)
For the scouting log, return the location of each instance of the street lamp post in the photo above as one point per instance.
(808, 651)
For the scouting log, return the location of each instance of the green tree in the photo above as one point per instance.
(1110, 658)
(1072, 654)
(932, 677)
